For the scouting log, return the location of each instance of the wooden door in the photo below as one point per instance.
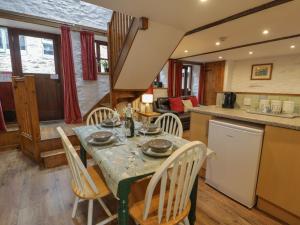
(27, 115)
(37, 53)
(49, 98)
(214, 80)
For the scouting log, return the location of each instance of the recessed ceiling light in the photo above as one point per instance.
(292, 46)
(218, 43)
(203, 0)
(265, 32)
(220, 57)
(186, 51)
(250, 53)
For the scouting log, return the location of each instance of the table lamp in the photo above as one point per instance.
(147, 99)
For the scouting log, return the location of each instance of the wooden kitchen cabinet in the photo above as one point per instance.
(278, 186)
(199, 127)
(199, 132)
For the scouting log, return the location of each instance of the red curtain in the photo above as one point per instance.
(202, 76)
(171, 78)
(178, 79)
(2, 122)
(89, 65)
(71, 107)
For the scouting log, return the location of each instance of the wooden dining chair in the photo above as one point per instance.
(87, 183)
(170, 123)
(98, 115)
(167, 198)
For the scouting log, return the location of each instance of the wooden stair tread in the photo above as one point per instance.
(56, 152)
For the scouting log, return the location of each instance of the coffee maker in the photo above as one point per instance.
(229, 100)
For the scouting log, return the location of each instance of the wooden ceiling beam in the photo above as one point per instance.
(241, 46)
(239, 15)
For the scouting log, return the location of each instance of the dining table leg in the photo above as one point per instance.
(83, 155)
(193, 198)
(123, 193)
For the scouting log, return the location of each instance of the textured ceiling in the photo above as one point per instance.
(69, 11)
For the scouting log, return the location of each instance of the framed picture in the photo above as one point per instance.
(262, 71)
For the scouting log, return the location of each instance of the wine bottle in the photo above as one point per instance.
(129, 123)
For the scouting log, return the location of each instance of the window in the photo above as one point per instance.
(48, 47)
(4, 44)
(39, 55)
(22, 43)
(186, 83)
(5, 59)
(101, 56)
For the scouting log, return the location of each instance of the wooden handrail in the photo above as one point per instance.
(122, 30)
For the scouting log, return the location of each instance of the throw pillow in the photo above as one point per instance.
(194, 101)
(176, 104)
(187, 105)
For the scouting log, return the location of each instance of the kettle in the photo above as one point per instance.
(229, 100)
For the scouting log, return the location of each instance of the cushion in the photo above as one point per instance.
(187, 105)
(176, 104)
(194, 101)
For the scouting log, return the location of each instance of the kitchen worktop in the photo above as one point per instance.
(238, 114)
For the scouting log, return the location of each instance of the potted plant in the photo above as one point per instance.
(104, 63)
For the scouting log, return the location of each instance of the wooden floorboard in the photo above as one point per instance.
(48, 129)
(30, 195)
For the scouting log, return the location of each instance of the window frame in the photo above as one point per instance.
(98, 55)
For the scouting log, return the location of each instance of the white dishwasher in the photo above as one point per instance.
(234, 169)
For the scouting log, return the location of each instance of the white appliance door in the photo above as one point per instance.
(234, 169)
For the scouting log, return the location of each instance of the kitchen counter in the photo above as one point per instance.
(238, 114)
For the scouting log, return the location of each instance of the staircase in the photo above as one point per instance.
(51, 149)
(138, 50)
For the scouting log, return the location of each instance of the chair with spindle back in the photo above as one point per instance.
(171, 204)
(87, 183)
(170, 123)
(98, 115)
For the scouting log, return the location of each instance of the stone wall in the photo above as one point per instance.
(70, 11)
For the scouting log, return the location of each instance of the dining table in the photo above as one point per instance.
(123, 162)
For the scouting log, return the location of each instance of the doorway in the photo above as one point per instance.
(186, 83)
(214, 80)
(37, 53)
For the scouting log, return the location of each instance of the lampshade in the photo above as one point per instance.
(147, 98)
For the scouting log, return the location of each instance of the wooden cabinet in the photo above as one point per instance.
(199, 127)
(279, 175)
(199, 132)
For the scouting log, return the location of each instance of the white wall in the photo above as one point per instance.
(285, 76)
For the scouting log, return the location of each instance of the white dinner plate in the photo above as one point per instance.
(143, 131)
(98, 143)
(148, 151)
